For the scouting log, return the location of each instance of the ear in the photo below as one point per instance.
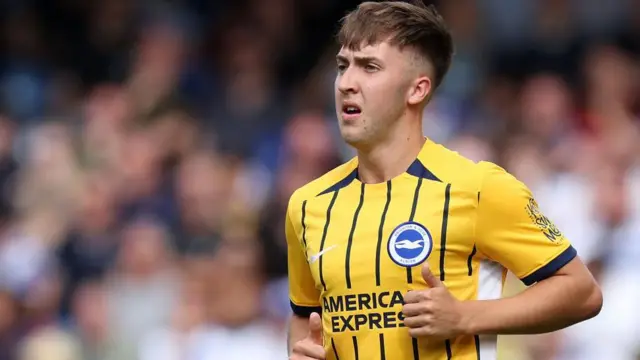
(419, 90)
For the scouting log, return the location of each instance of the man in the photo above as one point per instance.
(401, 252)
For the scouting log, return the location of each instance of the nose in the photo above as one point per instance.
(347, 81)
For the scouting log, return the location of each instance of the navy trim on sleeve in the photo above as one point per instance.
(551, 267)
(304, 311)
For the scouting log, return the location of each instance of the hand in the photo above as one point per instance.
(433, 312)
(310, 348)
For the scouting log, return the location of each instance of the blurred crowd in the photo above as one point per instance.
(148, 149)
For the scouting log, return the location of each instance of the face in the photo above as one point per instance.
(374, 87)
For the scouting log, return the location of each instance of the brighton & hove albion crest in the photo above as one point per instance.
(409, 244)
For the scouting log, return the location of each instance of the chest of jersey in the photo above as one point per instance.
(366, 246)
(366, 240)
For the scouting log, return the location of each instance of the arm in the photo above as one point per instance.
(303, 294)
(511, 230)
(569, 296)
(304, 340)
(298, 331)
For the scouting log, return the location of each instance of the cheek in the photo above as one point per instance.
(386, 102)
(385, 92)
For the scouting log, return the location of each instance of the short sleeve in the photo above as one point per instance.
(303, 295)
(512, 231)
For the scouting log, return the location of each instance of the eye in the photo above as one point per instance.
(341, 68)
(370, 68)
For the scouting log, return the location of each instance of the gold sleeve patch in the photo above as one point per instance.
(548, 228)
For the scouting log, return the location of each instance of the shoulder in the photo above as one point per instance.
(320, 184)
(498, 181)
(451, 167)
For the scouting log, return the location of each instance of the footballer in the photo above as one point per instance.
(401, 252)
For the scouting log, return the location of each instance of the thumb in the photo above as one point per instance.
(429, 278)
(315, 328)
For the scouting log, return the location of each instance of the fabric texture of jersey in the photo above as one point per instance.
(355, 249)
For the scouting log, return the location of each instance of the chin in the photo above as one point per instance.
(348, 135)
(352, 139)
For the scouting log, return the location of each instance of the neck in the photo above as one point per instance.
(390, 157)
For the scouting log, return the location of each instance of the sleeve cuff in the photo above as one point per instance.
(304, 311)
(551, 267)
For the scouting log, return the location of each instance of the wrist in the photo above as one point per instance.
(469, 311)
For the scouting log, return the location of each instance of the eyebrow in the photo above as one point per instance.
(358, 59)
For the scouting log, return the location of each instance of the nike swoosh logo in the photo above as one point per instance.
(314, 258)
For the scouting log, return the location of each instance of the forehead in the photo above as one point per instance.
(381, 50)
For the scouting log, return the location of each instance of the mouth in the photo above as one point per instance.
(350, 111)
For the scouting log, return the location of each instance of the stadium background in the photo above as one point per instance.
(147, 150)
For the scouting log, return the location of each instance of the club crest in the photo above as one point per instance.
(409, 244)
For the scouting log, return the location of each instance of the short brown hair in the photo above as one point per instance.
(401, 24)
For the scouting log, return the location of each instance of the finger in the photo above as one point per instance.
(415, 296)
(429, 278)
(415, 309)
(424, 331)
(307, 348)
(414, 322)
(315, 328)
(418, 332)
(302, 357)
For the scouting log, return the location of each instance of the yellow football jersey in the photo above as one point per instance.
(355, 249)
